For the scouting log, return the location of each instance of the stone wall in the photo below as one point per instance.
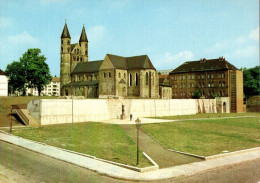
(57, 111)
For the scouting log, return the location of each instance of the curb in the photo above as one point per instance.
(145, 169)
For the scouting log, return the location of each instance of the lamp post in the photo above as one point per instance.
(138, 124)
(71, 104)
(11, 121)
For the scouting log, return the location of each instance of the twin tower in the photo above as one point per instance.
(71, 54)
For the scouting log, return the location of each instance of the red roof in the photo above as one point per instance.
(2, 72)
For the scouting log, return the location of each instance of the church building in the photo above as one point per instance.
(115, 76)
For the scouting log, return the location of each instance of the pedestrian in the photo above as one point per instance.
(131, 116)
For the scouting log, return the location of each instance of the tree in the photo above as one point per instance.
(36, 69)
(196, 95)
(251, 81)
(16, 77)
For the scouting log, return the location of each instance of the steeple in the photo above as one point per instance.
(65, 32)
(83, 36)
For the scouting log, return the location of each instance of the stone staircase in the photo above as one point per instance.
(32, 120)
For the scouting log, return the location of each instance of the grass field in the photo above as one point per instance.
(104, 141)
(207, 137)
(5, 107)
(208, 115)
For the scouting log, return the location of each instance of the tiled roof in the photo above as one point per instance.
(65, 32)
(84, 67)
(83, 36)
(55, 79)
(2, 72)
(82, 83)
(204, 65)
(136, 62)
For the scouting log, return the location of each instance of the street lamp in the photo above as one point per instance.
(11, 121)
(71, 104)
(138, 124)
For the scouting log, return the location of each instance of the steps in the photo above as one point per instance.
(32, 120)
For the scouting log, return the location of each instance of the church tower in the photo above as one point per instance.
(65, 51)
(83, 43)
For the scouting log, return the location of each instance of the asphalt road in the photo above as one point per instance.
(23, 166)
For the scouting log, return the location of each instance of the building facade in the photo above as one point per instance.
(115, 76)
(3, 84)
(52, 89)
(211, 78)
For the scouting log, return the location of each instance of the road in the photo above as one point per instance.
(23, 166)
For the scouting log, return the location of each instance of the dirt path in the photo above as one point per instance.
(160, 155)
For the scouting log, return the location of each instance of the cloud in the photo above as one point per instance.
(216, 47)
(6, 21)
(96, 34)
(169, 60)
(248, 52)
(179, 57)
(254, 34)
(23, 38)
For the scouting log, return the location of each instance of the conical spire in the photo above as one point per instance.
(65, 32)
(83, 36)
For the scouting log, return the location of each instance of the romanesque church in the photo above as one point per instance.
(115, 76)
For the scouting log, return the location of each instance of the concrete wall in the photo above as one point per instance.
(57, 111)
(3, 85)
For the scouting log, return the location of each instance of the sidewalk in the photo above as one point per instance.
(126, 174)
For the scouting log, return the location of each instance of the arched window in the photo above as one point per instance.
(68, 42)
(124, 75)
(119, 75)
(68, 49)
(136, 79)
(86, 52)
(61, 42)
(146, 78)
(61, 49)
(105, 75)
(86, 45)
(80, 59)
(130, 79)
(109, 75)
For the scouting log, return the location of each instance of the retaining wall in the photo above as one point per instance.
(56, 111)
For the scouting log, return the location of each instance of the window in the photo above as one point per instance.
(77, 51)
(202, 76)
(68, 42)
(146, 78)
(209, 85)
(189, 76)
(61, 49)
(199, 76)
(119, 75)
(208, 75)
(223, 84)
(192, 85)
(212, 85)
(180, 77)
(80, 59)
(130, 79)
(86, 45)
(105, 75)
(136, 79)
(68, 49)
(219, 84)
(74, 58)
(212, 75)
(86, 52)
(192, 77)
(183, 85)
(202, 84)
(183, 77)
(77, 58)
(109, 75)
(61, 42)
(124, 75)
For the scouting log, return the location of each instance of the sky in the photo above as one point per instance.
(170, 32)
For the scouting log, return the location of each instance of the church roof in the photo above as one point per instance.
(72, 46)
(136, 62)
(83, 36)
(84, 67)
(2, 72)
(65, 32)
(83, 83)
(204, 65)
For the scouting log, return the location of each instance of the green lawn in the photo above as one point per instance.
(208, 115)
(104, 141)
(207, 137)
